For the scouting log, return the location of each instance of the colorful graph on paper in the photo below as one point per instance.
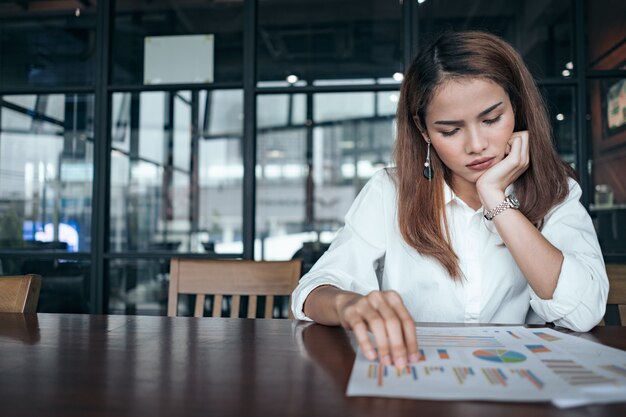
(490, 363)
(499, 355)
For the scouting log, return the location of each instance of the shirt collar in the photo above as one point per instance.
(448, 194)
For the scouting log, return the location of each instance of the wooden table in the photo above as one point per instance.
(81, 365)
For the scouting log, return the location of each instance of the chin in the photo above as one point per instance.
(475, 177)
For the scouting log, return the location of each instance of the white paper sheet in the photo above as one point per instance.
(499, 364)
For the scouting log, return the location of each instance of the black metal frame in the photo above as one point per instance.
(582, 154)
(102, 151)
(102, 89)
(249, 126)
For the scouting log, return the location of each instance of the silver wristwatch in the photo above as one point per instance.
(509, 202)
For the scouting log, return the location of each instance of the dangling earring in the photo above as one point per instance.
(428, 170)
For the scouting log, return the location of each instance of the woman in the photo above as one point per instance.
(479, 222)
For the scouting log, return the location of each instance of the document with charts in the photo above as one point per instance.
(499, 364)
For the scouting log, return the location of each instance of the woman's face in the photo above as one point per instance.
(469, 122)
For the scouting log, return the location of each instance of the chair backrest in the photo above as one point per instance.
(19, 294)
(231, 277)
(617, 294)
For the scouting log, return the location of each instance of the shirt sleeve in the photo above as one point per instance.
(579, 300)
(350, 261)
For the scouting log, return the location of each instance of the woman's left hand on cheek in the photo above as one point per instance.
(495, 180)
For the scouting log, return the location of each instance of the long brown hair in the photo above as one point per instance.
(421, 207)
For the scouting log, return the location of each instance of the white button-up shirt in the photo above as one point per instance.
(370, 254)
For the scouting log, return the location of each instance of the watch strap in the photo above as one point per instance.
(505, 204)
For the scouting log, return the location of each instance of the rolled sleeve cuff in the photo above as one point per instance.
(303, 290)
(575, 282)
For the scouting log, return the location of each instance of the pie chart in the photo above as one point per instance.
(500, 355)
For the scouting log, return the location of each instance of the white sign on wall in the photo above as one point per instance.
(178, 59)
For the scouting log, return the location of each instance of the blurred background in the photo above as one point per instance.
(132, 131)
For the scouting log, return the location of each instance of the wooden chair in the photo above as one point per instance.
(19, 294)
(231, 277)
(617, 294)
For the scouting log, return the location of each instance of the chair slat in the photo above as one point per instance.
(252, 306)
(269, 306)
(234, 306)
(199, 310)
(217, 306)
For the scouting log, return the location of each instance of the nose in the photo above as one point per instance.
(475, 143)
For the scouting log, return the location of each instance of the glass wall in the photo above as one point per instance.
(47, 43)
(140, 25)
(133, 131)
(560, 103)
(46, 171)
(541, 31)
(309, 170)
(325, 42)
(606, 94)
(47, 119)
(176, 156)
(46, 178)
(176, 172)
(66, 283)
(138, 286)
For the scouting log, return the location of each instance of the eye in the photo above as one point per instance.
(492, 121)
(450, 132)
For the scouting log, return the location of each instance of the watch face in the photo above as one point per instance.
(514, 201)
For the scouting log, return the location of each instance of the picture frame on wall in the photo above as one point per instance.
(608, 111)
(614, 108)
(179, 59)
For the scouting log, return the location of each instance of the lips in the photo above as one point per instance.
(480, 164)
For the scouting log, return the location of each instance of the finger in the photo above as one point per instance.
(521, 137)
(516, 149)
(395, 332)
(525, 149)
(410, 338)
(360, 332)
(376, 325)
(519, 134)
(509, 144)
(408, 328)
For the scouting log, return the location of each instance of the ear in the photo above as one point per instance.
(423, 131)
(416, 120)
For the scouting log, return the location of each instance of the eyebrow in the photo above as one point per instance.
(460, 122)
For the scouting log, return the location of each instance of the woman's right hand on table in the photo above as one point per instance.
(384, 314)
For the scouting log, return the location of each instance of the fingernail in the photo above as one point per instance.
(386, 360)
(370, 354)
(414, 358)
(400, 363)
